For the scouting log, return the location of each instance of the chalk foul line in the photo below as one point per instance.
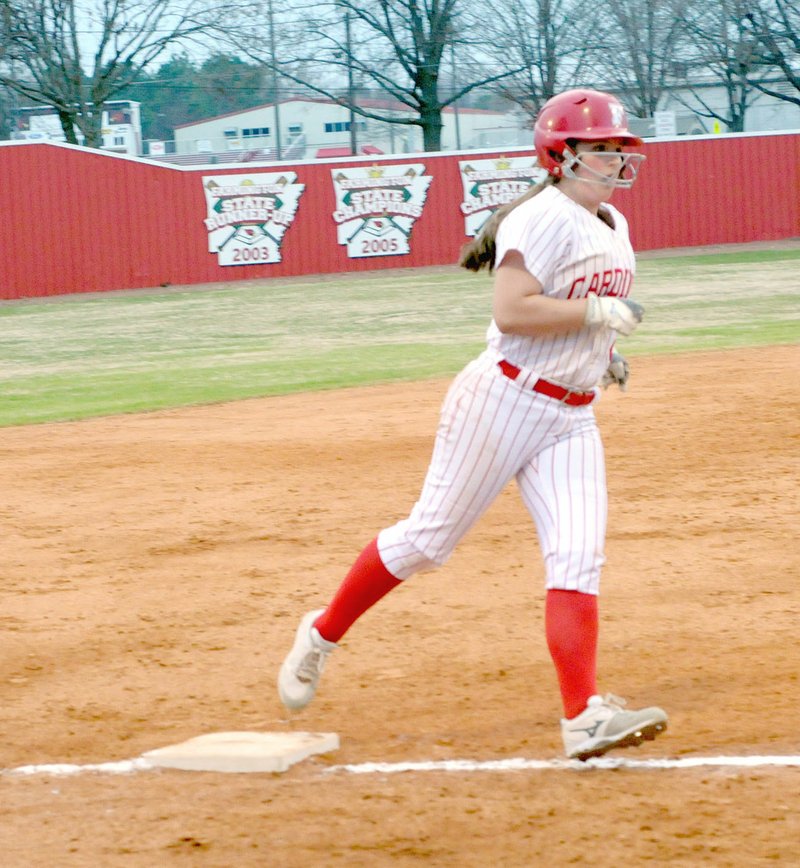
(121, 767)
(141, 764)
(519, 764)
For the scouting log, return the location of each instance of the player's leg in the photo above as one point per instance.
(367, 582)
(478, 447)
(564, 488)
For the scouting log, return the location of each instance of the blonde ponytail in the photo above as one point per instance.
(480, 252)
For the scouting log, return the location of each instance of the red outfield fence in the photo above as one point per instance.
(79, 220)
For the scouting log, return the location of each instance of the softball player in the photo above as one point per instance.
(522, 410)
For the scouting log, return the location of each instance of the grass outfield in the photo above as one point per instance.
(74, 357)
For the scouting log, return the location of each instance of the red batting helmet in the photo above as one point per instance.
(585, 115)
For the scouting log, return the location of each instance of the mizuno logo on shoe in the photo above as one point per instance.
(590, 731)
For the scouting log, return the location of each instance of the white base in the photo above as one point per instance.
(242, 751)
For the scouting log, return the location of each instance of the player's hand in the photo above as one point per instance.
(620, 314)
(618, 372)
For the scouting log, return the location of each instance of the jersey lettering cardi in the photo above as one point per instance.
(571, 252)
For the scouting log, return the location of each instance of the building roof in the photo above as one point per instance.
(346, 152)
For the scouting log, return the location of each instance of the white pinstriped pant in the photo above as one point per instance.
(493, 429)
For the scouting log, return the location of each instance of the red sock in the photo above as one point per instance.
(571, 627)
(365, 584)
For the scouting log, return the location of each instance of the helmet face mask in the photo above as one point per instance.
(624, 178)
(583, 116)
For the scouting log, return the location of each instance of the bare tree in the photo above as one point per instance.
(721, 55)
(548, 41)
(775, 26)
(76, 54)
(6, 113)
(637, 42)
(396, 47)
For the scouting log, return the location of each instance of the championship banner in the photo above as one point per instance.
(376, 207)
(488, 184)
(249, 214)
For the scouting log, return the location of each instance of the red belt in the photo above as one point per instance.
(574, 399)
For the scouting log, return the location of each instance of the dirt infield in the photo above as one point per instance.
(154, 567)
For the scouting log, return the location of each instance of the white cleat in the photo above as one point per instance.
(300, 672)
(604, 724)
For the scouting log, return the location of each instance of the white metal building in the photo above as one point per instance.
(312, 127)
(764, 113)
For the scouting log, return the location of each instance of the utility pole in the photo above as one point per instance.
(275, 92)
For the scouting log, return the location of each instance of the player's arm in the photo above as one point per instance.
(521, 308)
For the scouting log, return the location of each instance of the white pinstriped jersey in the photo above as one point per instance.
(571, 252)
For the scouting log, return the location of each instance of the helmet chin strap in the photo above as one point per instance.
(629, 161)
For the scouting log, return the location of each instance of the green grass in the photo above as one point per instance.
(75, 357)
(737, 257)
